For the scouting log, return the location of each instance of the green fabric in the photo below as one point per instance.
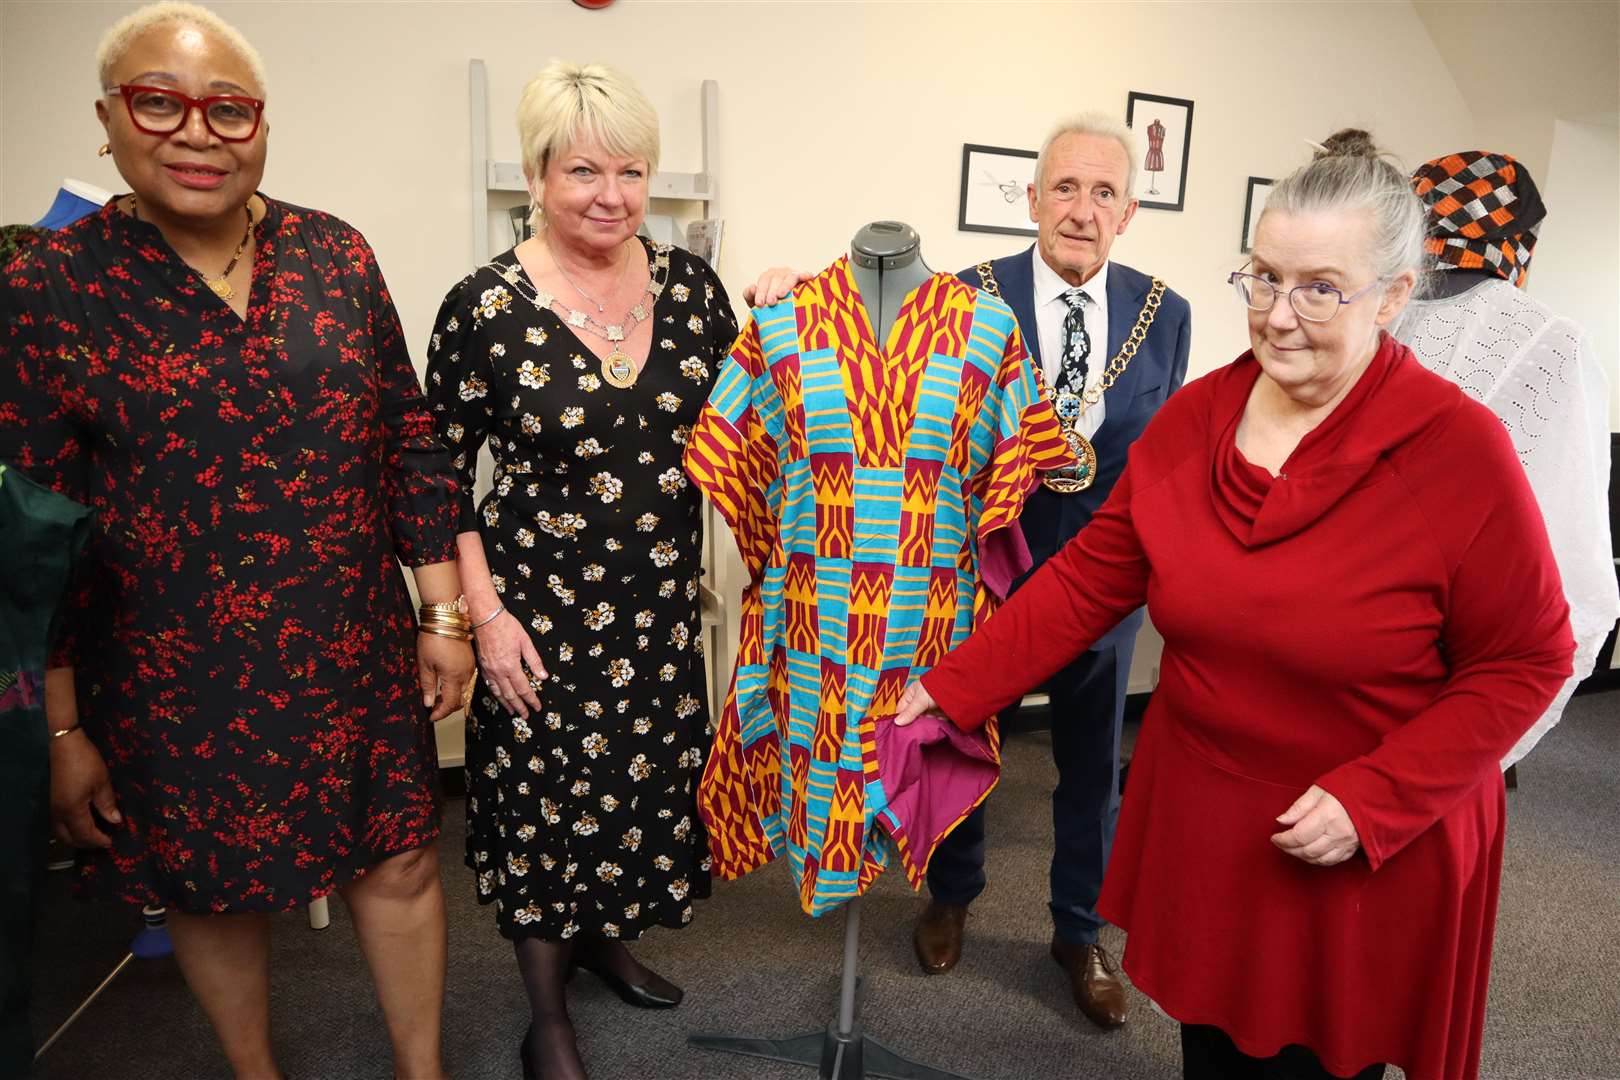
(40, 533)
(15, 238)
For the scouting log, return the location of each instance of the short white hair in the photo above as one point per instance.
(118, 38)
(568, 102)
(1091, 123)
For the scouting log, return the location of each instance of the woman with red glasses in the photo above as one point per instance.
(241, 707)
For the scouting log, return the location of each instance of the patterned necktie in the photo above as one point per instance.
(1071, 376)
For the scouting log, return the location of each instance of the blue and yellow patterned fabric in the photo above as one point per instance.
(864, 486)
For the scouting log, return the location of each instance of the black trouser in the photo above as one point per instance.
(1208, 1053)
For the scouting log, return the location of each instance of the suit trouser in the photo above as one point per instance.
(1088, 709)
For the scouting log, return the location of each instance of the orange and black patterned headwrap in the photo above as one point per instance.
(1484, 212)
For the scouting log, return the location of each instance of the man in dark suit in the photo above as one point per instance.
(1070, 300)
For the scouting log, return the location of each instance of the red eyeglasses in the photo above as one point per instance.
(158, 110)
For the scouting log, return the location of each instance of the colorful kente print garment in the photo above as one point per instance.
(869, 492)
(583, 818)
(244, 644)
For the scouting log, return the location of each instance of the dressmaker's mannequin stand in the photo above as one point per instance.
(843, 1051)
(887, 267)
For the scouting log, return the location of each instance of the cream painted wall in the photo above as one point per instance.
(831, 115)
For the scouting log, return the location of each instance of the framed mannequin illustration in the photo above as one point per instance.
(1165, 127)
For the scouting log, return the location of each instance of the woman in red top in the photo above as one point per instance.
(1361, 615)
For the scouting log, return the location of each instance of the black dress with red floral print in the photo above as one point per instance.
(243, 638)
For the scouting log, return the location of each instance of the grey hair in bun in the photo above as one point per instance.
(1350, 172)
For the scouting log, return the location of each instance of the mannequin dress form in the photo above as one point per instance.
(886, 260)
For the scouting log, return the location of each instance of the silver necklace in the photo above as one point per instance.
(618, 367)
(624, 264)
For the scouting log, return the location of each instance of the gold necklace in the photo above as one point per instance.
(220, 285)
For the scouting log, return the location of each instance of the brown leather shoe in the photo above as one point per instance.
(938, 937)
(1097, 989)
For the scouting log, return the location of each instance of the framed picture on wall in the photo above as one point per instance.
(1164, 125)
(1253, 203)
(994, 180)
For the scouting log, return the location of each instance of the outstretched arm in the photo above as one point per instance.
(1080, 594)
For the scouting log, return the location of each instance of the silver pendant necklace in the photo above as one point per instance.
(624, 264)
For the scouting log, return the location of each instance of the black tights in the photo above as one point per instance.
(1208, 1053)
(544, 967)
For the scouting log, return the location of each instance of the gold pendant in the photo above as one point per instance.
(221, 287)
(1077, 477)
(619, 369)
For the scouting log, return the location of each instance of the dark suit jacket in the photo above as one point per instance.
(1050, 520)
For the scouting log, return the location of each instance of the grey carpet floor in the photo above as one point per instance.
(752, 964)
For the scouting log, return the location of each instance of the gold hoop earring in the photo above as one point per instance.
(106, 148)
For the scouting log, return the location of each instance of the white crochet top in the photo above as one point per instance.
(1539, 373)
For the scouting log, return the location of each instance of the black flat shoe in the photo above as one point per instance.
(642, 997)
(526, 1055)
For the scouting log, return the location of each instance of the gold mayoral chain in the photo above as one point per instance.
(618, 368)
(1070, 407)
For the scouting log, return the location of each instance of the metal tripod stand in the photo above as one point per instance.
(843, 1051)
(151, 943)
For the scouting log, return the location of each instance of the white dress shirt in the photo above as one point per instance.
(1050, 311)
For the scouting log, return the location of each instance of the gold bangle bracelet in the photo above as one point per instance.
(444, 631)
(432, 615)
(59, 732)
(456, 628)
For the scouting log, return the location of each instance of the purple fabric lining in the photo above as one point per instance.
(933, 774)
(1003, 557)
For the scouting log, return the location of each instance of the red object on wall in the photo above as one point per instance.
(593, 4)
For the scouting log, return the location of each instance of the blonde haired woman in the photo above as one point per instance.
(222, 378)
(583, 357)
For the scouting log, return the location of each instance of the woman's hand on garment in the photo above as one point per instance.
(773, 285)
(504, 650)
(1320, 833)
(444, 667)
(79, 781)
(913, 703)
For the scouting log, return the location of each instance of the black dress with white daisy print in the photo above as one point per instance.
(584, 817)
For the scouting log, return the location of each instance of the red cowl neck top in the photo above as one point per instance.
(1383, 618)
